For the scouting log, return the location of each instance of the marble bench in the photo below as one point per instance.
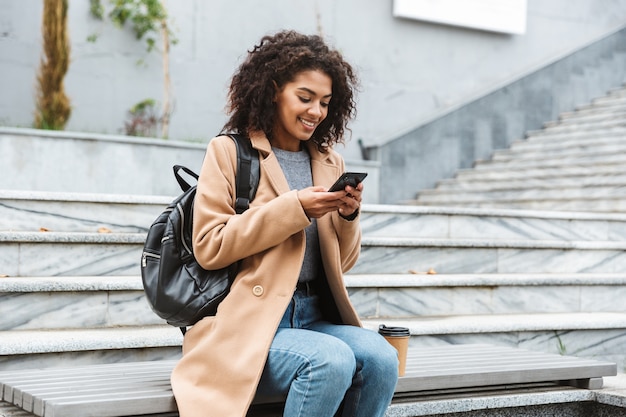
(143, 388)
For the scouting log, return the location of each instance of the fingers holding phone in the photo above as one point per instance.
(344, 196)
(316, 201)
(352, 184)
(348, 178)
(351, 202)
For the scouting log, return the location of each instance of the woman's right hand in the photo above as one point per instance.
(316, 201)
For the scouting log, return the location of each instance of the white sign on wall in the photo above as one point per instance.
(505, 16)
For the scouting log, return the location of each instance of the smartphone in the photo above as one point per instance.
(348, 178)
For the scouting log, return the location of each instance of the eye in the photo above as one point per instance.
(305, 99)
(325, 104)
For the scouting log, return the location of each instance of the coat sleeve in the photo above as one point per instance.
(222, 237)
(348, 234)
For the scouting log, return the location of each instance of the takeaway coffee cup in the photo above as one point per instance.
(398, 337)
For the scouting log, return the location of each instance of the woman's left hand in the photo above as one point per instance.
(351, 202)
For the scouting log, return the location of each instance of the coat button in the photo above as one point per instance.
(257, 290)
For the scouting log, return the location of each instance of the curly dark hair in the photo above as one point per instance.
(278, 59)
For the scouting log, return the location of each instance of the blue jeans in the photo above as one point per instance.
(319, 367)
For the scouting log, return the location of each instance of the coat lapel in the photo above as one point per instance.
(269, 164)
(323, 171)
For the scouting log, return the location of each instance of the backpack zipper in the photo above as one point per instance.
(144, 258)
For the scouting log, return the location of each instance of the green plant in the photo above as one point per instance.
(53, 106)
(96, 9)
(149, 21)
(142, 119)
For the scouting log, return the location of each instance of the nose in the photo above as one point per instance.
(316, 109)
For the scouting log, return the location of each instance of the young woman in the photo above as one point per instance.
(287, 329)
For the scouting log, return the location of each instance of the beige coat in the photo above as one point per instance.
(224, 355)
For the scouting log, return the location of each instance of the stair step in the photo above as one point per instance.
(581, 151)
(577, 127)
(110, 254)
(427, 295)
(612, 99)
(617, 180)
(550, 161)
(453, 256)
(532, 201)
(606, 119)
(616, 112)
(564, 142)
(354, 281)
(459, 223)
(506, 323)
(603, 205)
(70, 284)
(591, 335)
(575, 163)
(617, 91)
(539, 172)
(86, 339)
(574, 134)
(42, 348)
(52, 303)
(37, 303)
(70, 254)
(552, 192)
(602, 103)
(614, 104)
(75, 212)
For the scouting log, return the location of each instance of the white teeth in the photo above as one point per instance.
(310, 124)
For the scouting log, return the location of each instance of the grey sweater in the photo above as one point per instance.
(297, 169)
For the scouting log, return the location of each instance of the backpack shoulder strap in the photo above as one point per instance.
(248, 172)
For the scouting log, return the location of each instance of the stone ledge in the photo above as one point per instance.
(139, 238)
(538, 173)
(134, 283)
(607, 128)
(72, 237)
(500, 323)
(366, 208)
(493, 212)
(487, 402)
(87, 136)
(480, 280)
(490, 243)
(496, 404)
(69, 197)
(71, 283)
(614, 391)
(54, 341)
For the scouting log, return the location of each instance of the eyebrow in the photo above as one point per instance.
(308, 90)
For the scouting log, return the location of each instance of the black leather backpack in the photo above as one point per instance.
(177, 288)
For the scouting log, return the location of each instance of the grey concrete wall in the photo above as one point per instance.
(438, 148)
(410, 70)
(39, 160)
(69, 162)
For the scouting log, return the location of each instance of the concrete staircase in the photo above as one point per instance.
(575, 163)
(70, 291)
(550, 281)
(547, 280)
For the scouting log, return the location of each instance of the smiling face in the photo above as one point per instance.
(301, 105)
